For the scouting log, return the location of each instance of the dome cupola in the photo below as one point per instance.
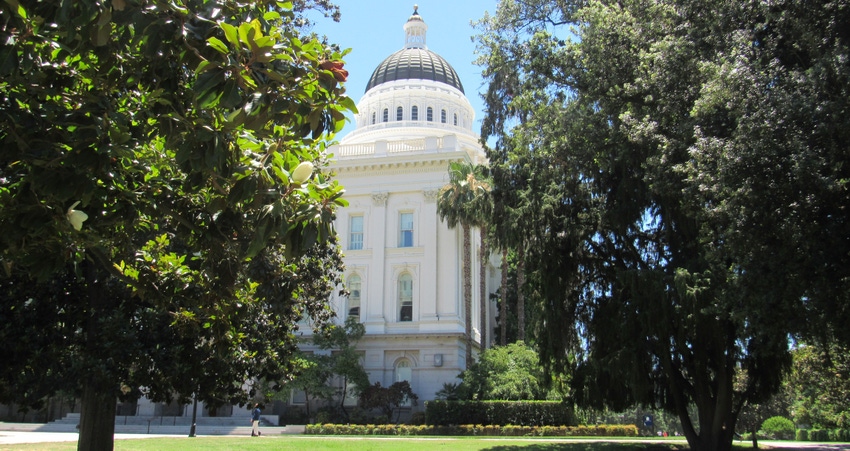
(415, 61)
(413, 93)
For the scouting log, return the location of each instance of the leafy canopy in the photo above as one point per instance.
(682, 171)
(166, 218)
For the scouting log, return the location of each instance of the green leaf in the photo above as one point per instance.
(216, 44)
(230, 97)
(230, 33)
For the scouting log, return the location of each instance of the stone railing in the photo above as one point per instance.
(383, 148)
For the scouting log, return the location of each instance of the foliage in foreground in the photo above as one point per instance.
(166, 221)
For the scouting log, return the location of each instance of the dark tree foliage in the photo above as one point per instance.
(166, 222)
(682, 169)
(388, 399)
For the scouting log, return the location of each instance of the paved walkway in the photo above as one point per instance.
(15, 437)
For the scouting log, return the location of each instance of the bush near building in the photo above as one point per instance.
(474, 430)
(523, 413)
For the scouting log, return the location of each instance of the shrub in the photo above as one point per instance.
(522, 413)
(779, 428)
(474, 430)
(417, 418)
(802, 435)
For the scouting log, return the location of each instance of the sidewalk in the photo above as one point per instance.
(12, 433)
(17, 437)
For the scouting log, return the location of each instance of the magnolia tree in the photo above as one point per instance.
(166, 218)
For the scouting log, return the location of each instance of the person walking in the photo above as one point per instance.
(255, 421)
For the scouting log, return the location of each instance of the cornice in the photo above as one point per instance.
(373, 167)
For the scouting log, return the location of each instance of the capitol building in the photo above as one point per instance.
(403, 264)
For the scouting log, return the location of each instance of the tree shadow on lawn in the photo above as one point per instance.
(589, 447)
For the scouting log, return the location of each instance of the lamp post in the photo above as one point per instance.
(194, 414)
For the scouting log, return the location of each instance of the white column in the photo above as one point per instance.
(429, 310)
(374, 319)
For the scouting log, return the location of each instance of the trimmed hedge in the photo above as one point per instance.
(824, 435)
(500, 413)
(616, 430)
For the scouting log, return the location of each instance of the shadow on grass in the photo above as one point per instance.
(589, 447)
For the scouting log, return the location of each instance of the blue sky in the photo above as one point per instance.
(373, 29)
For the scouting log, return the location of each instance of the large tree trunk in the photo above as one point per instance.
(503, 308)
(97, 418)
(467, 293)
(97, 407)
(520, 298)
(755, 436)
(482, 290)
(716, 417)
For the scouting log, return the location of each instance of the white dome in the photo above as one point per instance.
(413, 93)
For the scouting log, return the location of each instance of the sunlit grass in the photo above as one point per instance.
(299, 443)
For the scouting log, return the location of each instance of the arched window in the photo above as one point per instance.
(405, 297)
(354, 296)
(429, 114)
(455, 118)
(414, 113)
(386, 114)
(374, 115)
(402, 371)
(443, 116)
(399, 113)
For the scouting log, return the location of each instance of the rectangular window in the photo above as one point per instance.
(405, 297)
(405, 236)
(354, 283)
(355, 233)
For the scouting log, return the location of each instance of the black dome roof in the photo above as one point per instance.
(414, 63)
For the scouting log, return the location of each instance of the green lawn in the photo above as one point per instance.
(299, 443)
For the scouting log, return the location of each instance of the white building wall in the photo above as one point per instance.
(394, 166)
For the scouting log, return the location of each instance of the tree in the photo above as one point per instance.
(820, 386)
(313, 378)
(482, 209)
(344, 360)
(456, 205)
(388, 399)
(511, 372)
(770, 156)
(164, 222)
(643, 150)
(503, 303)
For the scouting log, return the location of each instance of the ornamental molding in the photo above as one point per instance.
(431, 195)
(368, 167)
(380, 199)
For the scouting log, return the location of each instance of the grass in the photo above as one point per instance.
(293, 443)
